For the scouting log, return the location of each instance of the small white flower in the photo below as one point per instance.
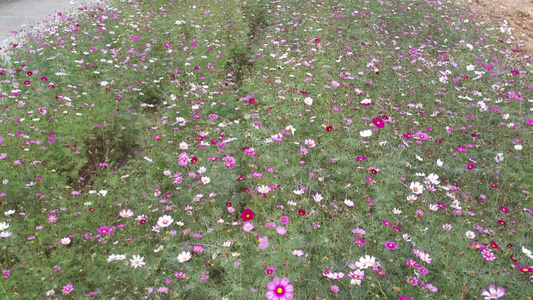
(447, 227)
(206, 180)
(348, 203)
(3, 226)
(469, 234)
(416, 187)
(518, 147)
(50, 293)
(126, 213)
(411, 198)
(366, 133)
(298, 192)
(439, 163)
(292, 203)
(180, 223)
(308, 101)
(184, 256)
(121, 257)
(396, 211)
(355, 282)
(165, 221)
(65, 241)
(227, 243)
(297, 252)
(290, 129)
(137, 261)
(102, 193)
(317, 197)
(184, 146)
(527, 252)
(9, 212)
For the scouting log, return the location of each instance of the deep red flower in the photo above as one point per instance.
(494, 185)
(504, 209)
(301, 212)
(329, 128)
(494, 245)
(194, 159)
(470, 166)
(502, 222)
(247, 214)
(228, 204)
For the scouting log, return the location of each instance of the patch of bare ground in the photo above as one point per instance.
(517, 13)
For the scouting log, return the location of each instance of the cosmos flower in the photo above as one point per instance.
(279, 289)
(493, 293)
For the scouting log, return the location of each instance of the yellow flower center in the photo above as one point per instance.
(279, 291)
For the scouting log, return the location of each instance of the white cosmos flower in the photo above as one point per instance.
(102, 193)
(416, 187)
(263, 189)
(3, 226)
(469, 234)
(137, 261)
(527, 252)
(298, 192)
(297, 252)
(348, 203)
(165, 221)
(366, 133)
(290, 129)
(366, 262)
(205, 180)
(184, 256)
(65, 241)
(126, 213)
(411, 198)
(317, 197)
(308, 101)
(518, 147)
(396, 211)
(439, 163)
(433, 178)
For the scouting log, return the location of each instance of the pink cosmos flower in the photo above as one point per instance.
(279, 289)
(248, 226)
(391, 245)
(183, 159)
(493, 293)
(263, 242)
(67, 289)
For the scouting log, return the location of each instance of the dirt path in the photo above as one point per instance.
(517, 13)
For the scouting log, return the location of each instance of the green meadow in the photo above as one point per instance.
(167, 149)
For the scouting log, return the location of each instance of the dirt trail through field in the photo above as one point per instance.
(517, 13)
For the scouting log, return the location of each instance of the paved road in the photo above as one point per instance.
(22, 15)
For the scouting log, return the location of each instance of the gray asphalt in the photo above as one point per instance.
(23, 15)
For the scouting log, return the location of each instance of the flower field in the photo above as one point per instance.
(167, 149)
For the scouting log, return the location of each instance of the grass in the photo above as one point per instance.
(147, 128)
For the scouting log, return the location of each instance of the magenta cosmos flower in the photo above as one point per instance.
(391, 245)
(378, 122)
(279, 289)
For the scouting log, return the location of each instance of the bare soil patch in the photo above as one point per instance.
(517, 13)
